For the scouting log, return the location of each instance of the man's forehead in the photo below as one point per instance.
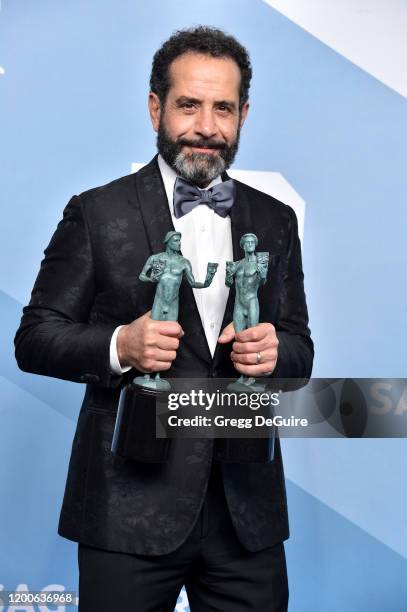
(194, 73)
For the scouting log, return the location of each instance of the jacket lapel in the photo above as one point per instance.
(153, 205)
(157, 222)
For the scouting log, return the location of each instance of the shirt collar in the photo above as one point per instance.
(169, 177)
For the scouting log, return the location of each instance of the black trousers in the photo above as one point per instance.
(219, 574)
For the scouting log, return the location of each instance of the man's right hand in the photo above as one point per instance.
(148, 345)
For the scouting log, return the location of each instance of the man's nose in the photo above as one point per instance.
(206, 123)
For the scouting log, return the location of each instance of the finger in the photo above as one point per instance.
(163, 365)
(155, 366)
(167, 343)
(251, 358)
(164, 356)
(255, 333)
(160, 366)
(251, 347)
(227, 334)
(252, 370)
(169, 328)
(155, 354)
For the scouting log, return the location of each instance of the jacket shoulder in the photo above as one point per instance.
(123, 187)
(265, 203)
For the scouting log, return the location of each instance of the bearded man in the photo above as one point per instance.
(144, 530)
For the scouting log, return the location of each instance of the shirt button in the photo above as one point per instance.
(212, 325)
(203, 228)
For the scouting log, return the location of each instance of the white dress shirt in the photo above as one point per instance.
(206, 237)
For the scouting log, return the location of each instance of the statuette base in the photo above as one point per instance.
(156, 383)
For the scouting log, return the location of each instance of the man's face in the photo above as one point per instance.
(198, 128)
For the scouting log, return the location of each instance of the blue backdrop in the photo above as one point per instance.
(73, 115)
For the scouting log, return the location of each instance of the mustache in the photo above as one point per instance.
(203, 144)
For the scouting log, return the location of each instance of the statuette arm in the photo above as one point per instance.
(210, 273)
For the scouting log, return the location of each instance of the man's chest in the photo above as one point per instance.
(123, 237)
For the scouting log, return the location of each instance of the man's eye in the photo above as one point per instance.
(223, 108)
(188, 105)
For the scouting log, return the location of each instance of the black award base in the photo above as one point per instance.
(245, 450)
(134, 434)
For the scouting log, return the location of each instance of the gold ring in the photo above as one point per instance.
(258, 358)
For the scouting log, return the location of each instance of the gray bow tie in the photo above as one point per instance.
(186, 196)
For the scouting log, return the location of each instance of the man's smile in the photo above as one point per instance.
(203, 150)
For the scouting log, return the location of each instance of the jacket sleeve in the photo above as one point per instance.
(295, 349)
(57, 336)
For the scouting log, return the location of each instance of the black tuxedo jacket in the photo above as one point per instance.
(87, 285)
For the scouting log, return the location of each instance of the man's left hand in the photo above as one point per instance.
(255, 349)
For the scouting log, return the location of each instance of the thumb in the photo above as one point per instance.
(227, 335)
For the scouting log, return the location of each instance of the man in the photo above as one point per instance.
(144, 530)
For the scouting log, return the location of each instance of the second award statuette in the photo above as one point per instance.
(248, 274)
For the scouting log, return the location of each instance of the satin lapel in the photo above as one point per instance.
(241, 223)
(157, 222)
(153, 205)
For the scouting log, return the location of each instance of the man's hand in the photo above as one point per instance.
(250, 344)
(148, 345)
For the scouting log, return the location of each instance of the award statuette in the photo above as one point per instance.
(248, 274)
(167, 270)
(134, 435)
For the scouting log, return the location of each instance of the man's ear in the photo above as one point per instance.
(243, 113)
(154, 107)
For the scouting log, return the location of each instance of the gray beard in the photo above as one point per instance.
(198, 168)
